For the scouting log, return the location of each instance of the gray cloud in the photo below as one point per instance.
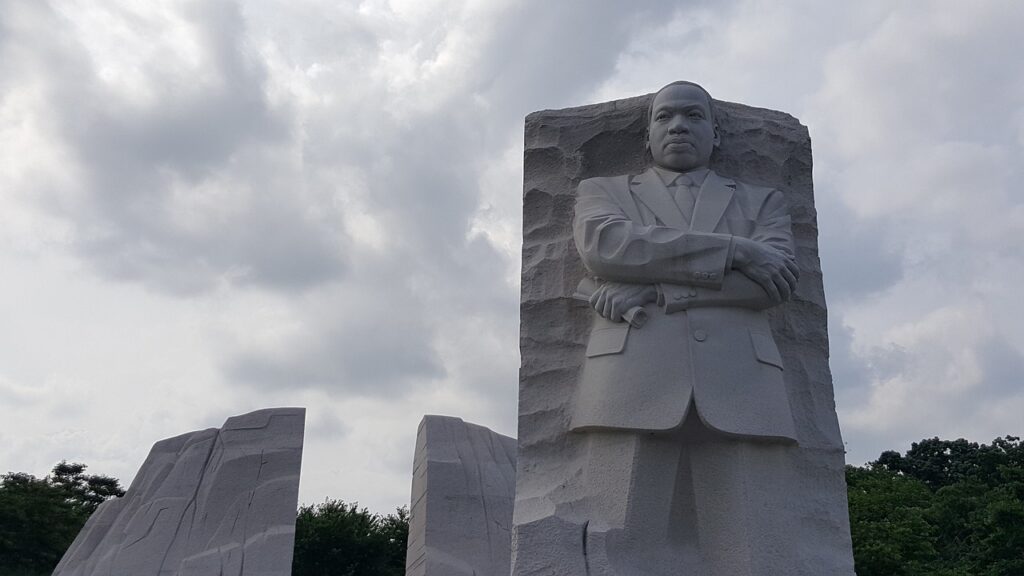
(850, 373)
(857, 259)
(1003, 372)
(375, 346)
(193, 182)
(913, 134)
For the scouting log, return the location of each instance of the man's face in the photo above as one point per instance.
(681, 133)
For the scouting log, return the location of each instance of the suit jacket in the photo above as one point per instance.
(707, 341)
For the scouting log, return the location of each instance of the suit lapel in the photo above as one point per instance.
(649, 188)
(620, 191)
(713, 198)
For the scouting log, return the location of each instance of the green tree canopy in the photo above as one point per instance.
(945, 508)
(344, 540)
(39, 518)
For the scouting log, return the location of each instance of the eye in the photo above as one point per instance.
(695, 115)
(661, 116)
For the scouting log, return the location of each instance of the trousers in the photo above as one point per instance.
(690, 501)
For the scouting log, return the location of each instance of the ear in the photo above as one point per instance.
(718, 137)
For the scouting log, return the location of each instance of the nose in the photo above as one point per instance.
(678, 124)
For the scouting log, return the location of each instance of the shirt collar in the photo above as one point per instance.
(697, 175)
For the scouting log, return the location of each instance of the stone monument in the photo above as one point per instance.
(462, 492)
(208, 503)
(676, 413)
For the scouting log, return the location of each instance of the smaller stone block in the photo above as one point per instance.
(214, 502)
(463, 489)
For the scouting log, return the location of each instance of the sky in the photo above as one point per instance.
(211, 207)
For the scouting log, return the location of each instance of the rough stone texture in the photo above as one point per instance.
(208, 503)
(760, 147)
(462, 493)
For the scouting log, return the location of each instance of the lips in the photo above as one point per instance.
(677, 144)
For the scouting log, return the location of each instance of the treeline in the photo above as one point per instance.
(944, 508)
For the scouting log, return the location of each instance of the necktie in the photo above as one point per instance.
(682, 191)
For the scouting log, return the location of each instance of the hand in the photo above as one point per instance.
(613, 299)
(772, 269)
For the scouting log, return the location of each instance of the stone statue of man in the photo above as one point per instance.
(681, 396)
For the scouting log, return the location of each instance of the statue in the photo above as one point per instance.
(676, 414)
(682, 394)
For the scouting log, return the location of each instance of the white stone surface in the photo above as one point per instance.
(800, 484)
(462, 494)
(214, 502)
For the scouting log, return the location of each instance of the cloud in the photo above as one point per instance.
(858, 258)
(17, 394)
(365, 341)
(912, 122)
(184, 173)
(946, 368)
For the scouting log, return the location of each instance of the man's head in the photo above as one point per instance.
(681, 127)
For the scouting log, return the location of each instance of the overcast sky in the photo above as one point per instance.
(210, 207)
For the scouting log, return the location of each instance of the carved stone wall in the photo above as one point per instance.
(760, 147)
(214, 502)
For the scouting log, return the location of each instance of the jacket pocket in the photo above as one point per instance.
(610, 340)
(765, 349)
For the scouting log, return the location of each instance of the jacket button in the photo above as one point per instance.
(677, 296)
(700, 335)
(693, 292)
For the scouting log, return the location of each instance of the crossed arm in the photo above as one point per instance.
(639, 264)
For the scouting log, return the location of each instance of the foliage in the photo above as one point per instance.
(343, 540)
(39, 518)
(87, 491)
(945, 508)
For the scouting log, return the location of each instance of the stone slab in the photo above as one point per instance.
(462, 493)
(214, 502)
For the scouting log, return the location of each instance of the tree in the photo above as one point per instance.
(891, 536)
(39, 518)
(395, 530)
(946, 507)
(344, 540)
(85, 492)
(940, 463)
